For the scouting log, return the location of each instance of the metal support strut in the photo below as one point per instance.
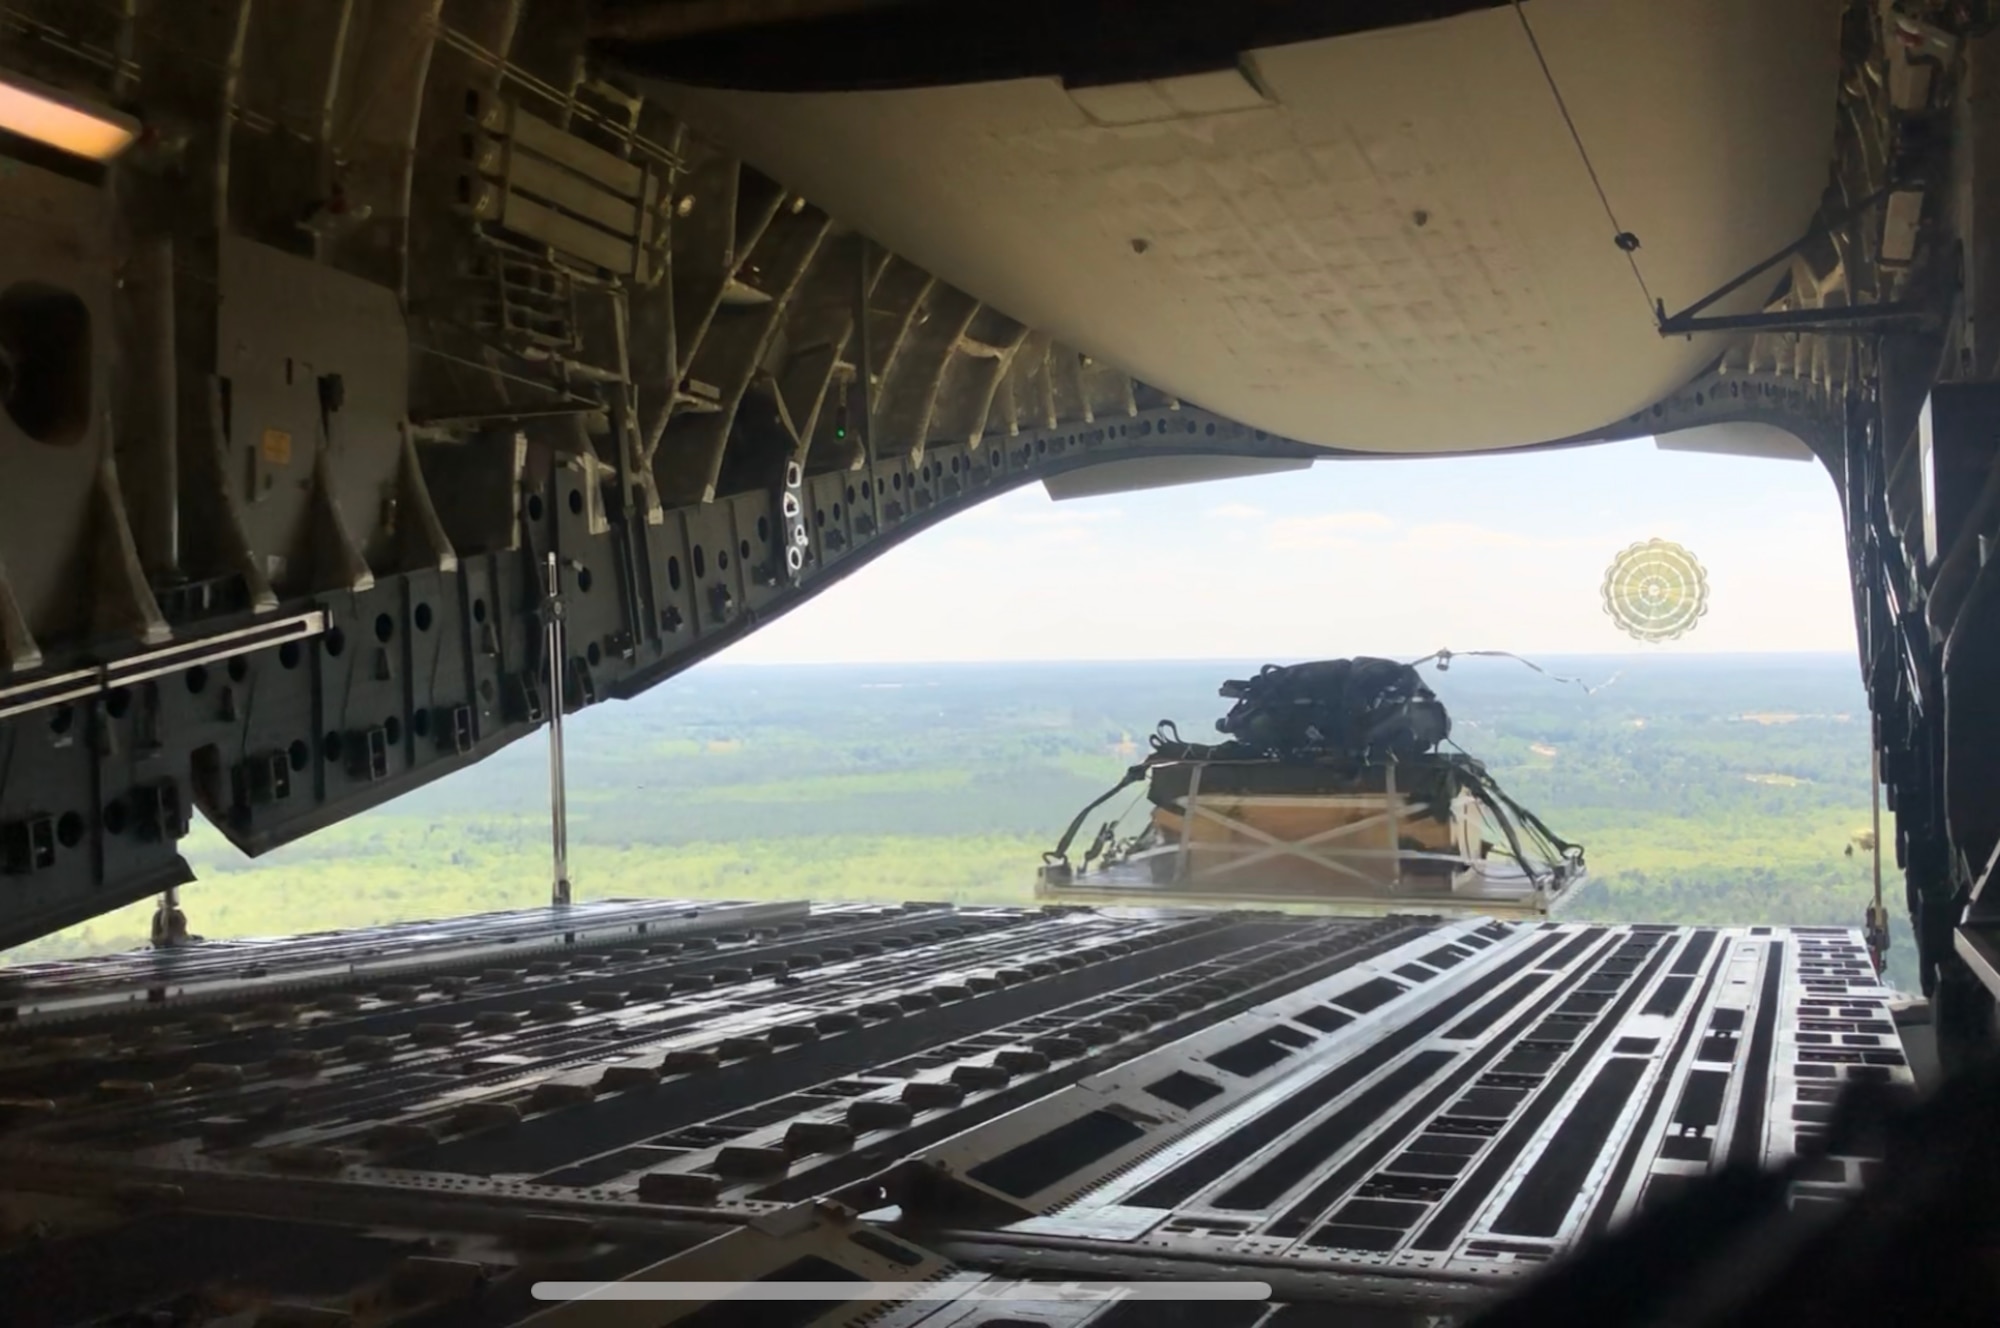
(1854, 319)
(558, 803)
(1876, 932)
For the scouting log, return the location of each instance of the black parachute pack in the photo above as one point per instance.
(1372, 711)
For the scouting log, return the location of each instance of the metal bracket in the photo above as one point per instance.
(1857, 318)
(1849, 320)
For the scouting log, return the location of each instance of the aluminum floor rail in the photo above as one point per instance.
(416, 1125)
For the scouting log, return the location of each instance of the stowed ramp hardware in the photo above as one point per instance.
(1466, 1114)
(430, 1121)
(1328, 789)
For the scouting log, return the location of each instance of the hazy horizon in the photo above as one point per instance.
(1707, 787)
(728, 660)
(1393, 557)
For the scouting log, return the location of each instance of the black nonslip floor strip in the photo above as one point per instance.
(1267, 1183)
(1351, 1172)
(1746, 1139)
(1218, 1160)
(1694, 954)
(1549, 1190)
(1628, 1157)
(1449, 1223)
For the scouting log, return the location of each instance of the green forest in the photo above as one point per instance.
(1724, 789)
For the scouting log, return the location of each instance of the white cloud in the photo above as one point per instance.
(1069, 538)
(1462, 535)
(1066, 516)
(1389, 559)
(1328, 530)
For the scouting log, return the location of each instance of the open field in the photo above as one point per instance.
(1706, 788)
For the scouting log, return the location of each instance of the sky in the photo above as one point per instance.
(1381, 557)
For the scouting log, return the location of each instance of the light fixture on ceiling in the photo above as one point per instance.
(33, 110)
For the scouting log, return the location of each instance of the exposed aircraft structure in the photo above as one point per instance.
(385, 378)
(1383, 240)
(384, 307)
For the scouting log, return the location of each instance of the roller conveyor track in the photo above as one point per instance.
(1398, 1111)
(67, 991)
(593, 1005)
(550, 990)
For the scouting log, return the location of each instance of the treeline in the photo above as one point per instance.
(1706, 791)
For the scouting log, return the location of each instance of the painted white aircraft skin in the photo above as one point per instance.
(1384, 242)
